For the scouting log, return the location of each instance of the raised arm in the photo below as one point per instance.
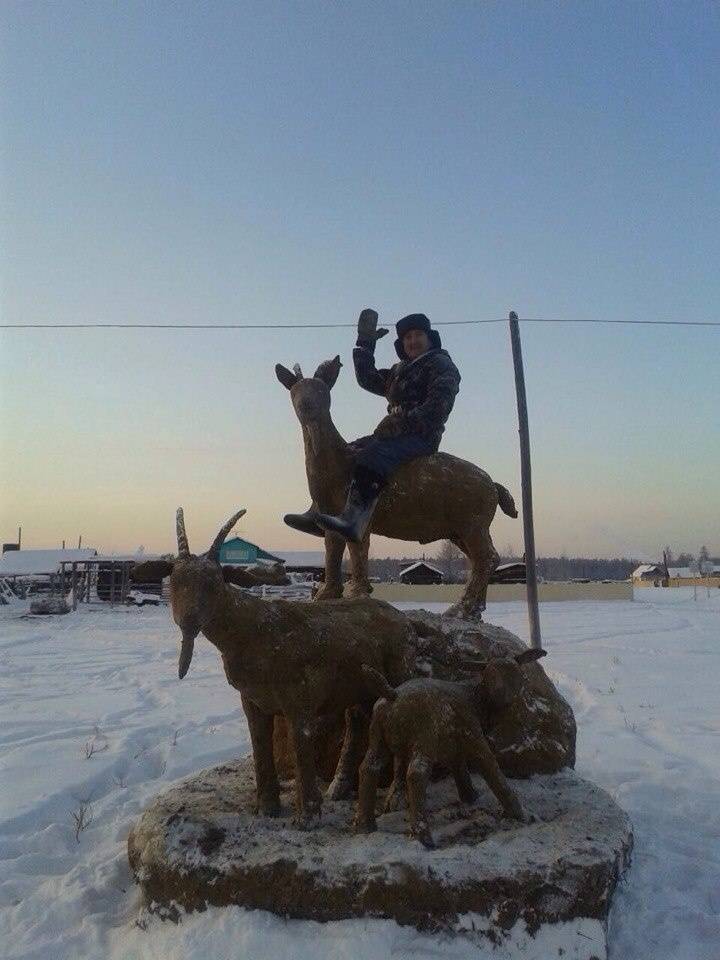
(366, 373)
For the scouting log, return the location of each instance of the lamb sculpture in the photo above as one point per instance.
(426, 722)
(438, 497)
(300, 660)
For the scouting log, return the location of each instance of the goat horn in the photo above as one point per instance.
(297, 371)
(183, 548)
(214, 551)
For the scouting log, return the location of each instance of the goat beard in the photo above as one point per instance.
(186, 654)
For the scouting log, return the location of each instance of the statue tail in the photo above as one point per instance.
(507, 504)
(378, 684)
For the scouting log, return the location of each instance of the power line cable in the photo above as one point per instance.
(329, 326)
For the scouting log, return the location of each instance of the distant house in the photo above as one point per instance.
(241, 552)
(421, 572)
(648, 573)
(676, 576)
(513, 572)
(304, 564)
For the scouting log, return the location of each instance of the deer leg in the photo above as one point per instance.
(266, 781)
(332, 589)
(477, 545)
(418, 775)
(479, 750)
(359, 585)
(343, 783)
(308, 800)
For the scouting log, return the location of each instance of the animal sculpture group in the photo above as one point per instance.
(308, 661)
(353, 659)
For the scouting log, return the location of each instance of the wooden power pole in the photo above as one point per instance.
(526, 481)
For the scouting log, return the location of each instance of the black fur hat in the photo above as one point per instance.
(415, 321)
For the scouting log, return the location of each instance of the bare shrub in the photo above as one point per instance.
(82, 817)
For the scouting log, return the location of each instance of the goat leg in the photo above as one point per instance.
(463, 782)
(308, 800)
(266, 781)
(370, 771)
(494, 777)
(343, 783)
(397, 793)
(418, 776)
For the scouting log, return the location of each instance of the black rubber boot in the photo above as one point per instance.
(361, 500)
(305, 522)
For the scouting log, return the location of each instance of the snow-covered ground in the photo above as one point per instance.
(95, 722)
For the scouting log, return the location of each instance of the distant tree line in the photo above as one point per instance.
(549, 568)
(570, 568)
(688, 559)
(448, 558)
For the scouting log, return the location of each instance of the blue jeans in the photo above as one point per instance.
(383, 455)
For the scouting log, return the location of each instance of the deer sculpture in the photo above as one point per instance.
(301, 660)
(438, 497)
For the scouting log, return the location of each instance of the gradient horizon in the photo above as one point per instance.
(247, 162)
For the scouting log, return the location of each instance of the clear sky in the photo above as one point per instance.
(296, 162)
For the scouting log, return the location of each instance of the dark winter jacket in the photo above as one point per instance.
(420, 392)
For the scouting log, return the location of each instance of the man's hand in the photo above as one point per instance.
(367, 327)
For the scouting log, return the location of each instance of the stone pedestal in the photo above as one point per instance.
(200, 843)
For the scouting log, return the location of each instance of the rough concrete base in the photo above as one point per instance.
(200, 843)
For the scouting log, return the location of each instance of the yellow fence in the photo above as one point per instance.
(501, 592)
(685, 582)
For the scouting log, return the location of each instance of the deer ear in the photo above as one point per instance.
(150, 571)
(528, 656)
(328, 371)
(286, 377)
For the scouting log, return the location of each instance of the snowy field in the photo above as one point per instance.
(95, 723)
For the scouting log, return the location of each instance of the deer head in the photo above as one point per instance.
(501, 679)
(195, 582)
(310, 395)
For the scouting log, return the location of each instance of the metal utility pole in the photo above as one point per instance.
(526, 481)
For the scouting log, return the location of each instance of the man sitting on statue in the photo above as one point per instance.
(420, 390)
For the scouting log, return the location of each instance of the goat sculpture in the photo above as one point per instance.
(438, 497)
(425, 722)
(300, 660)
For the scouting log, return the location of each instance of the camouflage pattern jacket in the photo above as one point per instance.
(420, 392)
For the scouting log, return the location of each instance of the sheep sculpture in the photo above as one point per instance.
(301, 660)
(426, 722)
